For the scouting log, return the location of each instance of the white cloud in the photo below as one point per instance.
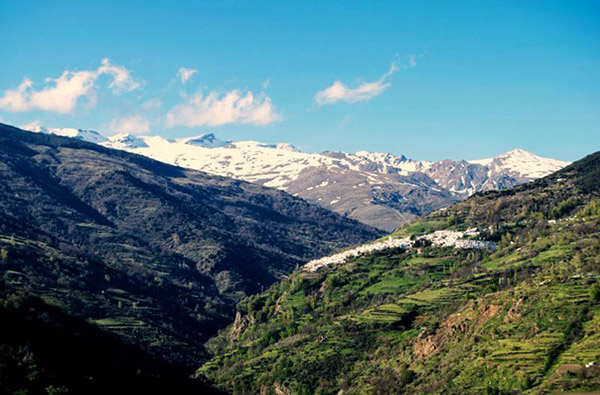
(32, 126)
(62, 94)
(121, 77)
(338, 91)
(215, 110)
(185, 74)
(135, 124)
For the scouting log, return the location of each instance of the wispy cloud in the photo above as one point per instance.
(152, 104)
(122, 81)
(62, 94)
(135, 124)
(216, 109)
(338, 91)
(185, 74)
(411, 61)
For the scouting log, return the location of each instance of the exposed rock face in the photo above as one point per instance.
(455, 325)
(383, 200)
(239, 325)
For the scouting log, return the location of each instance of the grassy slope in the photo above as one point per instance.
(525, 317)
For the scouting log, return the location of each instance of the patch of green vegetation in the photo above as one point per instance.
(421, 227)
(392, 285)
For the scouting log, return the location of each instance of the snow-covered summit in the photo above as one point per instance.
(81, 134)
(257, 145)
(522, 163)
(286, 147)
(390, 163)
(126, 141)
(268, 164)
(208, 140)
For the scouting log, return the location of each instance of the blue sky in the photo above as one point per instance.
(431, 80)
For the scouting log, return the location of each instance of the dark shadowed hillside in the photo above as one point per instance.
(45, 351)
(155, 253)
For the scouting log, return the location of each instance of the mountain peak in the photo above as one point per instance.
(81, 134)
(287, 147)
(254, 145)
(522, 163)
(518, 152)
(207, 140)
(126, 141)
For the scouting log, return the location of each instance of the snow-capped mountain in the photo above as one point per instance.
(126, 141)
(379, 189)
(208, 140)
(81, 134)
(521, 162)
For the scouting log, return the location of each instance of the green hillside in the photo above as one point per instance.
(524, 317)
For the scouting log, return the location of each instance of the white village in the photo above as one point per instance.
(439, 238)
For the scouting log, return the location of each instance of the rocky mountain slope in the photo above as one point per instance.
(381, 190)
(496, 294)
(151, 252)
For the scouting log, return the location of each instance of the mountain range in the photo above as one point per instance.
(379, 189)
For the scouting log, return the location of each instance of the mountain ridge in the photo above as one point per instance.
(380, 189)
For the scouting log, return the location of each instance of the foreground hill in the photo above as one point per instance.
(154, 253)
(45, 351)
(381, 190)
(498, 294)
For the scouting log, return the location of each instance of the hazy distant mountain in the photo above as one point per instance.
(378, 189)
